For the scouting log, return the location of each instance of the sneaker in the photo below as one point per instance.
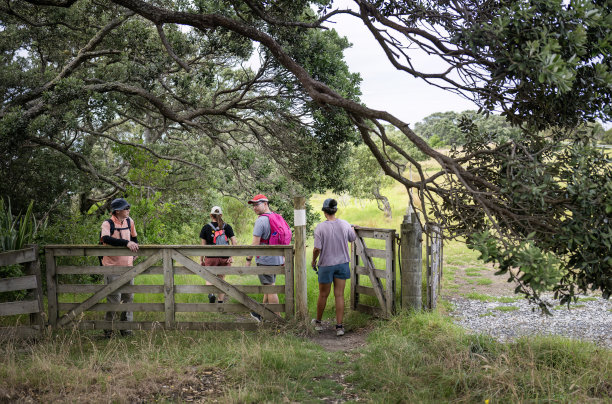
(212, 298)
(256, 316)
(317, 324)
(126, 333)
(339, 330)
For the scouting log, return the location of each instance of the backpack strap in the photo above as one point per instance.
(216, 228)
(112, 226)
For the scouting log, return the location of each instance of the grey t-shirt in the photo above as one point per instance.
(332, 238)
(262, 229)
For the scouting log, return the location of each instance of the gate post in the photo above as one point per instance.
(411, 261)
(299, 221)
(33, 268)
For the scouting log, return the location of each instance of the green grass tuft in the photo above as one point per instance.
(506, 308)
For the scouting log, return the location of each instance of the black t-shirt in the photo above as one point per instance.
(208, 233)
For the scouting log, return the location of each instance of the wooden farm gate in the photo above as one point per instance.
(33, 303)
(378, 265)
(174, 263)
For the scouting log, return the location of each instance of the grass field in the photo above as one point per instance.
(413, 358)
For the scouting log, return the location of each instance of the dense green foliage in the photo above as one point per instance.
(16, 232)
(568, 184)
(92, 105)
(442, 128)
(144, 98)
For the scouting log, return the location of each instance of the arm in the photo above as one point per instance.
(202, 257)
(315, 254)
(233, 241)
(256, 240)
(132, 244)
(117, 242)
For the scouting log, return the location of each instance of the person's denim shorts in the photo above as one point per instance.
(340, 271)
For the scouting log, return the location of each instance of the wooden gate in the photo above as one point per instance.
(33, 303)
(378, 265)
(171, 263)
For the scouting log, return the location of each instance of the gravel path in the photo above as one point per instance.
(589, 319)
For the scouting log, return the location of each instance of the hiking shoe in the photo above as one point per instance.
(212, 298)
(317, 324)
(339, 330)
(126, 333)
(256, 316)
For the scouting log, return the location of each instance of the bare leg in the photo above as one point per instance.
(271, 298)
(324, 289)
(339, 296)
(221, 296)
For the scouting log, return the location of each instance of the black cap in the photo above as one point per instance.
(119, 204)
(330, 205)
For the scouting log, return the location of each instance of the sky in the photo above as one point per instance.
(385, 88)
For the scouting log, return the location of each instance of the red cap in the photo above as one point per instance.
(259, 198)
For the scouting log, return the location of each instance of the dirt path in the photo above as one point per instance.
(353, 339)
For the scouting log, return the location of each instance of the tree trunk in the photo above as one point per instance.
(382, 202)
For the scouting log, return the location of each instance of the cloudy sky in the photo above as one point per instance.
(384, 87)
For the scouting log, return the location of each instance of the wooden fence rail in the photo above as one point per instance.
(168, 262)
(31, 281)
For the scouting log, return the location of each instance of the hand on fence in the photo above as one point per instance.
(132, 246)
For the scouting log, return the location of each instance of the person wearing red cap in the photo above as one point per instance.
(261, 232)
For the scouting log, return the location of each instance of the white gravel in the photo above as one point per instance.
(589, 319)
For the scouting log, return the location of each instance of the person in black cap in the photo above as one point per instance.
(119, 231)
(331, 239)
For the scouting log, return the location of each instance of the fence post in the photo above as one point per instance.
(33, 268)
(51, 287)
(411, 261)
(168, 288)
(301, 294)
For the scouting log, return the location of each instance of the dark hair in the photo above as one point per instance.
(330, 206)
(218, 219)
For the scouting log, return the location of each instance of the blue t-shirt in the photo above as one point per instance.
(262, 229)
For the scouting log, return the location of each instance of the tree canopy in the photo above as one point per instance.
(545, 65)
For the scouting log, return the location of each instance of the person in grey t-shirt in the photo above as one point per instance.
(261, 231)
(331, 239)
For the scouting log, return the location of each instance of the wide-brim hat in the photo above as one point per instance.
(258, 198)
(119, 204)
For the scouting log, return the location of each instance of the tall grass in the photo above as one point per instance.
(16, 231)
(412, 358)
